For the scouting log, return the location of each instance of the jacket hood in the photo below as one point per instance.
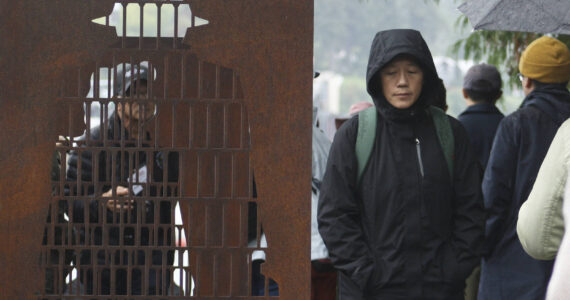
(553, 100)
(385, 47)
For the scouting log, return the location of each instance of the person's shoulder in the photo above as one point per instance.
(521, 116)
(458, 129)
(463, 114)
(455, 124)
(465, 117)
(348, 131)
(94, 133)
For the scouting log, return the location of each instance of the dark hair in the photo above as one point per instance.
(440, 95)
(479, 96)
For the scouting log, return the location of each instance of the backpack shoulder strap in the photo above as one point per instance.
(365, 138)
(445, 135)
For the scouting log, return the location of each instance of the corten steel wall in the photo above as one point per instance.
(233, 100)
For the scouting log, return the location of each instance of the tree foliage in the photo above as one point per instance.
(501, 48)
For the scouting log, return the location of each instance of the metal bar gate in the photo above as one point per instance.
(155, 149)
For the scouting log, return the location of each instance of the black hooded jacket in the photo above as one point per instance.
(408, 230)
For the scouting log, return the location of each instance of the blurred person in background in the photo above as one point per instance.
(481, 90)
(353, 110)
(323, 274)
(116, 204)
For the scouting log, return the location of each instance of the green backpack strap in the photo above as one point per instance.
(367, 135)
(445, 135)
(365, 138)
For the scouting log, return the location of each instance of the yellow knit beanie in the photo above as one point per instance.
(546, 60)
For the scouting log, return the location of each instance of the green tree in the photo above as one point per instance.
(501, 48)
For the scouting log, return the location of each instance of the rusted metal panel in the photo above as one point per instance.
(232, 103)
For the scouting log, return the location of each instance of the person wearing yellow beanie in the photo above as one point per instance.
(520, 145)
(546, 60)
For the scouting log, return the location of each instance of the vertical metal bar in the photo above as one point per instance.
(115, 80)
(142, 121)
(88, 122)
(96, 78)
(200, 67)
(225, 128)
(141, 25)
(132, 171)
(182, 77)
(105, 123)
(95, 178)
(140, 204)
(165, 78)
(109, 86)
(112, 275)
(214, 271)
(147, 264)
(158, 21)
(133, 95)
(124, 21)
(217, 83)
(162, 270)
(190, 232)
(193, 20)
(62, 171)
(173, 125)
(244, 130)
(208, 120)
(249, 272)
(175, 39)
(258, 228)
(234, 85)
(165, 163)
(150, 171)
(216, 176)
(113, 182)
(198, 281)
(130, 257)
(231, 273)
(70, 115)
(191, 125)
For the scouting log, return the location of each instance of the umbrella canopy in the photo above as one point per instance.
(542, 16)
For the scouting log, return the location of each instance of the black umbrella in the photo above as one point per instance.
(542, 16)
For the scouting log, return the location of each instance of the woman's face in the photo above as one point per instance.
(402, 80)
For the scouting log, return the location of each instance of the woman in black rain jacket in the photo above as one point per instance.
(408, 229)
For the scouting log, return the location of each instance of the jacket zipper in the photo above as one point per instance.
(419, 152)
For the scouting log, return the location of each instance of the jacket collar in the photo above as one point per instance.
(485, 108)
(553, 100)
